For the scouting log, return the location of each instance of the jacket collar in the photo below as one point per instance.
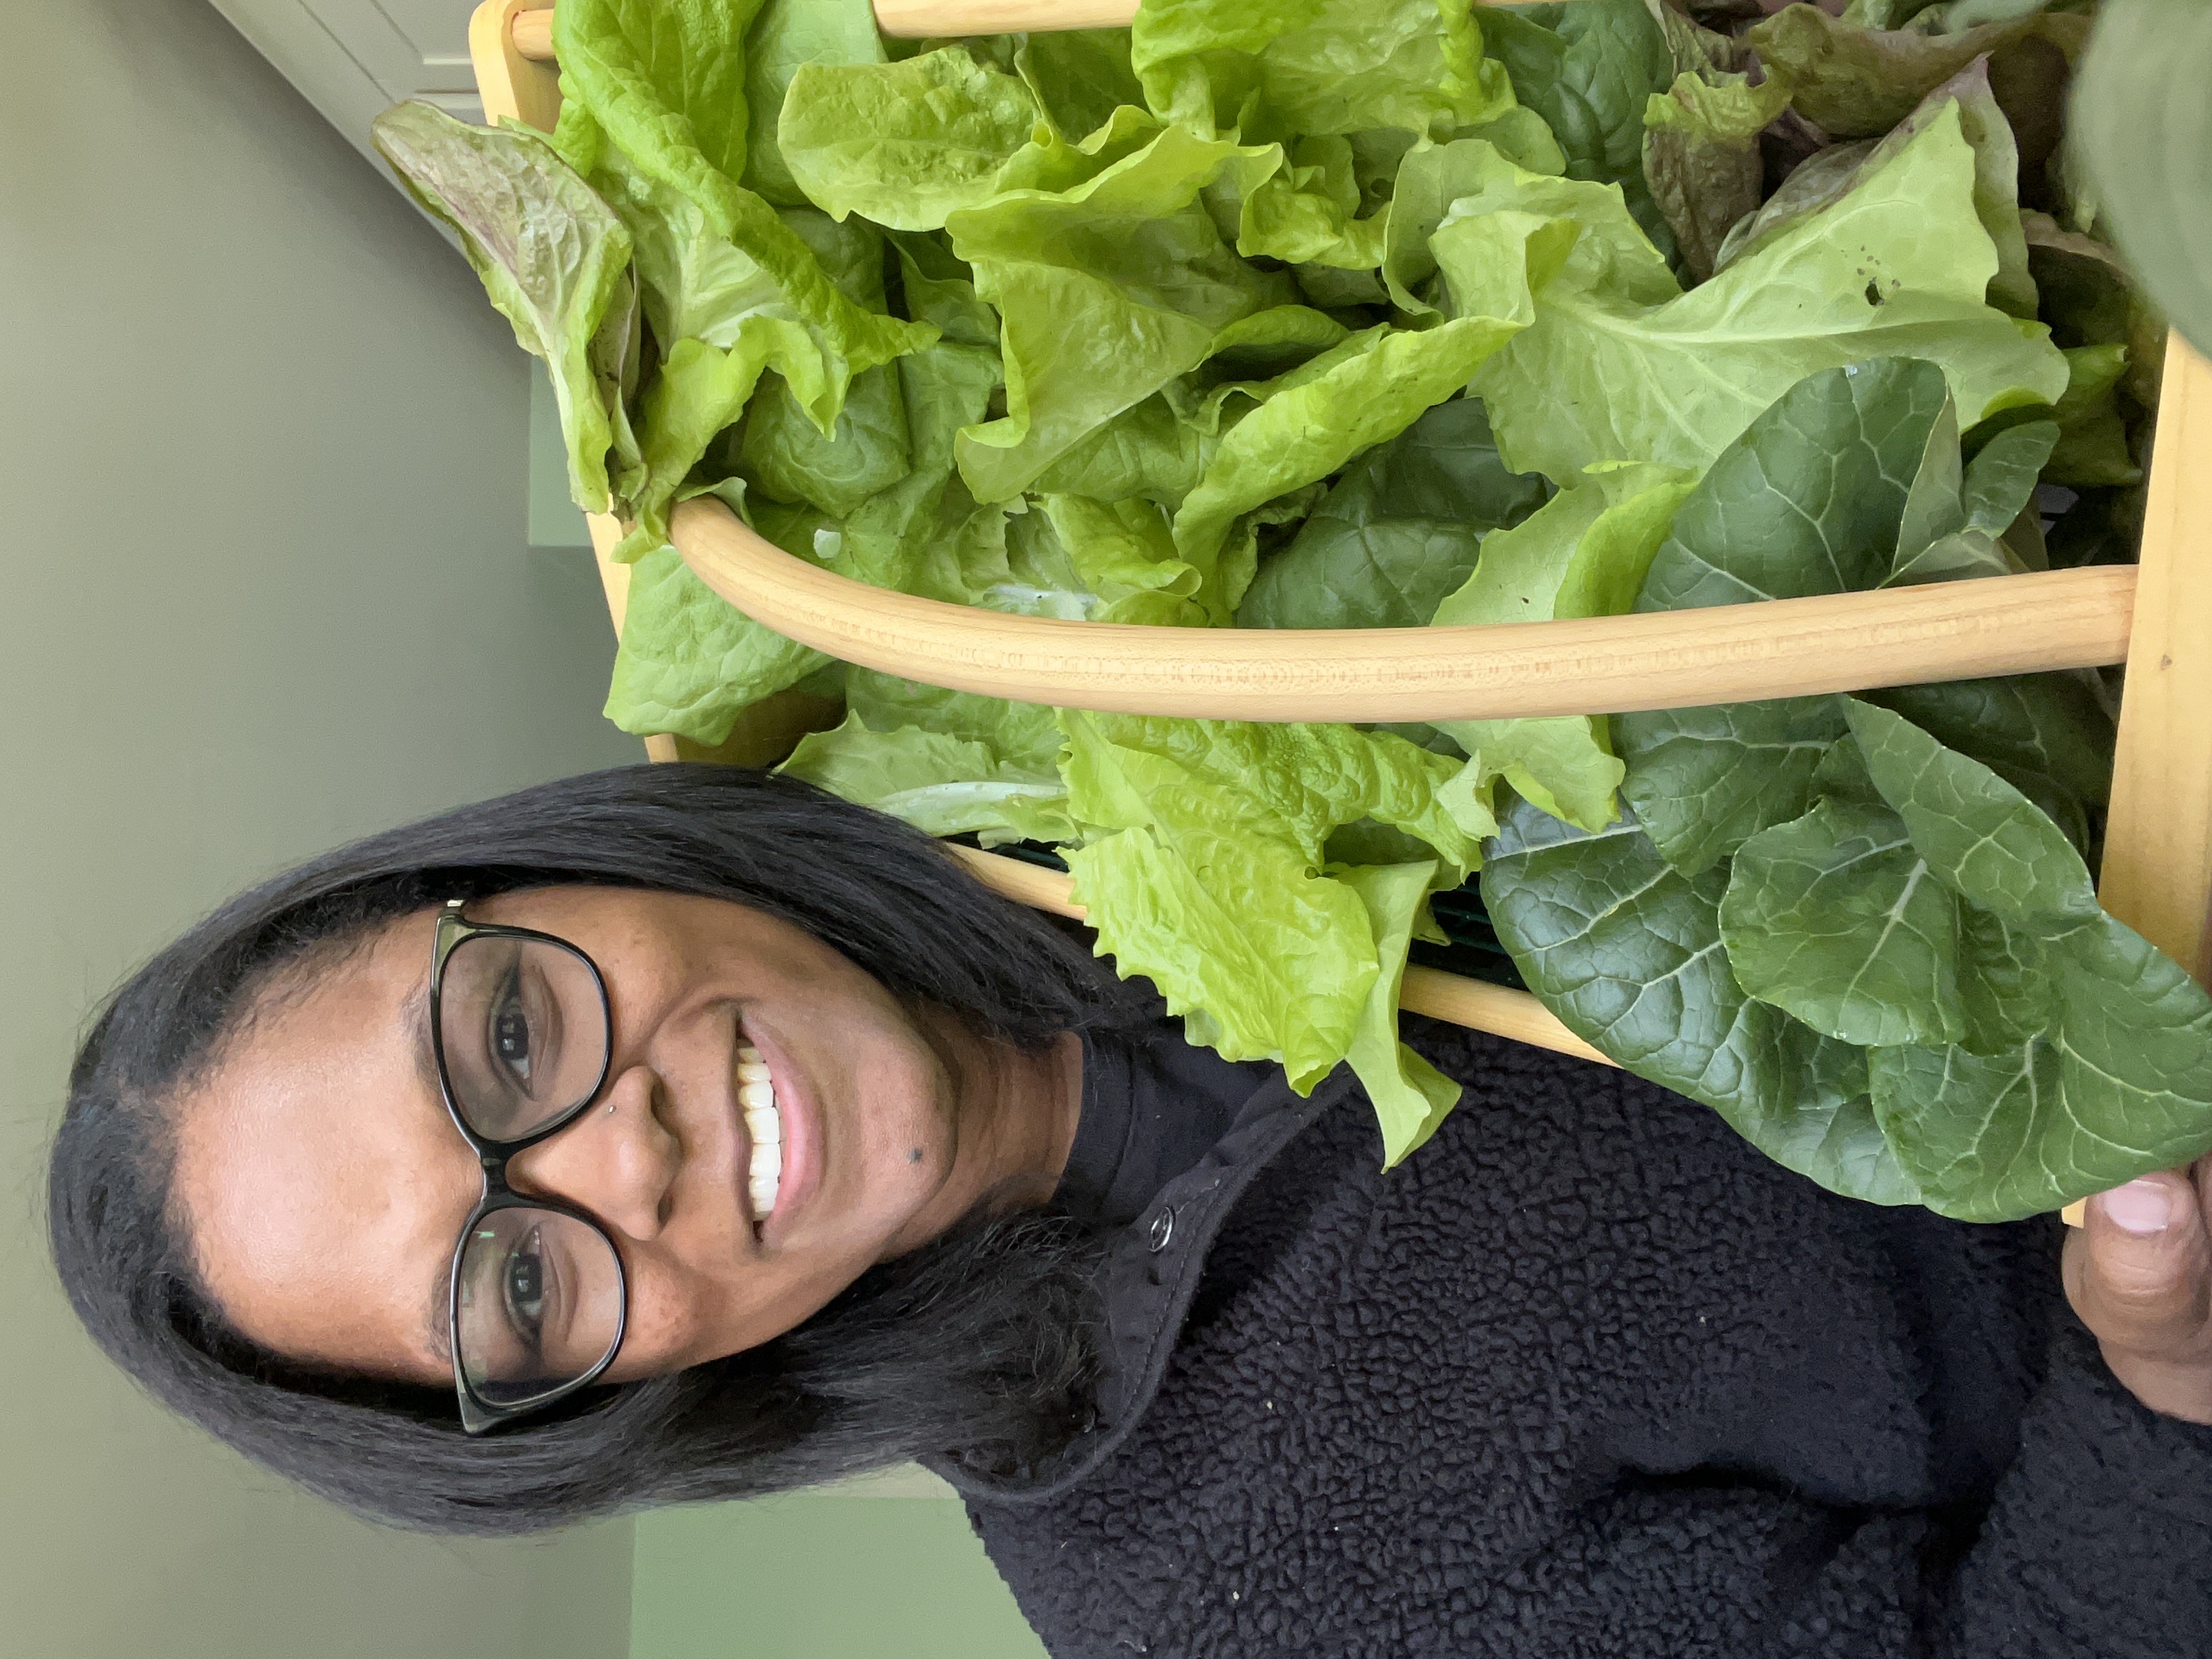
(1147, 1280)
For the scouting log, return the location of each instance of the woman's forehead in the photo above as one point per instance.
(308, 1153)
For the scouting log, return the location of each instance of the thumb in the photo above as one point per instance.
(2140, 1276)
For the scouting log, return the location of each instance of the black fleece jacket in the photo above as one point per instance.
(1589, 1376)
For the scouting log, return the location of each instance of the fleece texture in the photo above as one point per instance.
(1589, 1378)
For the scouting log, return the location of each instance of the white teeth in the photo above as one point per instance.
(764, 1128)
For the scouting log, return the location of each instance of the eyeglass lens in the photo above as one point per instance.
(524, 1033)
(540, 1304)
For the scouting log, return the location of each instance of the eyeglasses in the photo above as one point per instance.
(520, 1029)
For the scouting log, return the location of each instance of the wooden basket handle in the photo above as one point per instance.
(1603, 665)
(923, 19)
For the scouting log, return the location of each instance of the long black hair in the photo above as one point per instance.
(977, 1347)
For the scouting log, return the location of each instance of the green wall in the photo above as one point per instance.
(821, 1578)
(263, 450)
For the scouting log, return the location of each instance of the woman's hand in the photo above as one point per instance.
(2139, 1273)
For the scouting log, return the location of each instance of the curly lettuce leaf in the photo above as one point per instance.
(1583, 554)
(786, 37)
(1852, 82)
(552, 256)
(1307, 430)
(689, 662)
(1289, 68)
(1202, 869)
(941, 784)
(665, 91)
(1107, 292)
(1410, 1097)
(905, 144)
(1701, 158)
(1618, 366)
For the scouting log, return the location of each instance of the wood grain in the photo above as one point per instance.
(2157, 876)
(1605, 664)
(514, 85)
(923, 19)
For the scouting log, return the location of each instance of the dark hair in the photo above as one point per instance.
(977, 1347)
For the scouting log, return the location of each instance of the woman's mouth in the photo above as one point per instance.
(763, 1130)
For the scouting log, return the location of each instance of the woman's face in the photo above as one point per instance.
(323, 1184)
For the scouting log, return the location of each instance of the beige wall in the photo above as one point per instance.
(263, 585)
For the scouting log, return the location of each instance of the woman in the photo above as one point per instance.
(681, 1132)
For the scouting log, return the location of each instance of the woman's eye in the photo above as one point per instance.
(524, 1287)
(510, 1030)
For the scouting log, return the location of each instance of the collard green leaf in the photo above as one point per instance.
(2047, 726)
(2089, 1055)
(551, 256)
(1979, 835)
(1834, 919)
(1810, 498)
(1628, 953)
(1600, 375)
(2000, 482)
(1398, 531)
(1704, 780)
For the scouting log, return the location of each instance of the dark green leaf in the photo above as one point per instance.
(1808, 499)
(1705, 780)
(1628, 953)
(1834, 918)
(2143, 126)
(1399, 531)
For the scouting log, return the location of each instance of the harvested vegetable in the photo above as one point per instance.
(1313, 313)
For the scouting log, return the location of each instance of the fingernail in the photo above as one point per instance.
(2141, 1207)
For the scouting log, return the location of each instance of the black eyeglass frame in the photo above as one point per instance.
(478, 1415)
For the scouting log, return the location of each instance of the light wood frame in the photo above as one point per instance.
(2156, 616)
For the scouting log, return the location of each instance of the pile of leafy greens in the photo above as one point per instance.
(1313, 313)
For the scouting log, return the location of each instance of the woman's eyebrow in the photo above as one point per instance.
(437, 1320)
(417, 1027)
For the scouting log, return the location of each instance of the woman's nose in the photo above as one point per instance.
(618, 1161)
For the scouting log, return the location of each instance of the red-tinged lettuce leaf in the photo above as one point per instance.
(552, 256)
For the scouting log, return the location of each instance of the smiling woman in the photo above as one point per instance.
(716, 1137)
(269, 1161)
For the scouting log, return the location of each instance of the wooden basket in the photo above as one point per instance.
(2156, 616)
